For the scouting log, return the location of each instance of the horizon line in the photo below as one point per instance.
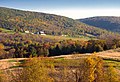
(59, 12)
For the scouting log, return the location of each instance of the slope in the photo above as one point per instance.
(20, 21)
(110, 23)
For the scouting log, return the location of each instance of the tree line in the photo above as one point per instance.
(64, 47)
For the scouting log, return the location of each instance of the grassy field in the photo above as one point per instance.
(109, 56)
(66, 37)
(6, 31)
(59, 68)
(48, 36)
(64, 64)
(116, 64)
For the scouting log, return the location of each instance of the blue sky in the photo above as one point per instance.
(70, 8)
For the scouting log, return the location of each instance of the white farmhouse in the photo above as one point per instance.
(42, 33)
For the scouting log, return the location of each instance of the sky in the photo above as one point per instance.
(70, 8)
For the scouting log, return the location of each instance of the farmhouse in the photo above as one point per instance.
(40, 32)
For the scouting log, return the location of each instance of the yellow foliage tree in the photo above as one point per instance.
(111, 74)
(2, 51)
(1, 46)
(91, 70)
(35, 70)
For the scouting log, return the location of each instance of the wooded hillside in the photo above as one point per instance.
(21, 21)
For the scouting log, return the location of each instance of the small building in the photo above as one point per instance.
(37, 33)
(41, 33)
(27, 32)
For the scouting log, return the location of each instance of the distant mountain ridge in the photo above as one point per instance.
(110, 23)
(21, 21)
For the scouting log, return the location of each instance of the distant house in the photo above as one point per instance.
(41, 33)
(37, 33)
(27, 32)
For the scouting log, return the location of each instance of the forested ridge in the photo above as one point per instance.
(21, 21)
(110, 23)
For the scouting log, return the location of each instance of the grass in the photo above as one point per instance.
(56, 67)
(12, 61)
(60, 58)
(59, 38)
(65, 37)
(116, 64)
(22, 61)
(7, 31)
(14, 67)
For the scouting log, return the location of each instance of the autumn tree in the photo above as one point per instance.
(2, 51)
(111, 74)
(35, 70)
(90, 70)
(1, 46)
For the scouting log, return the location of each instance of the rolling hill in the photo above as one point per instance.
(21, 21)
(110, 23)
